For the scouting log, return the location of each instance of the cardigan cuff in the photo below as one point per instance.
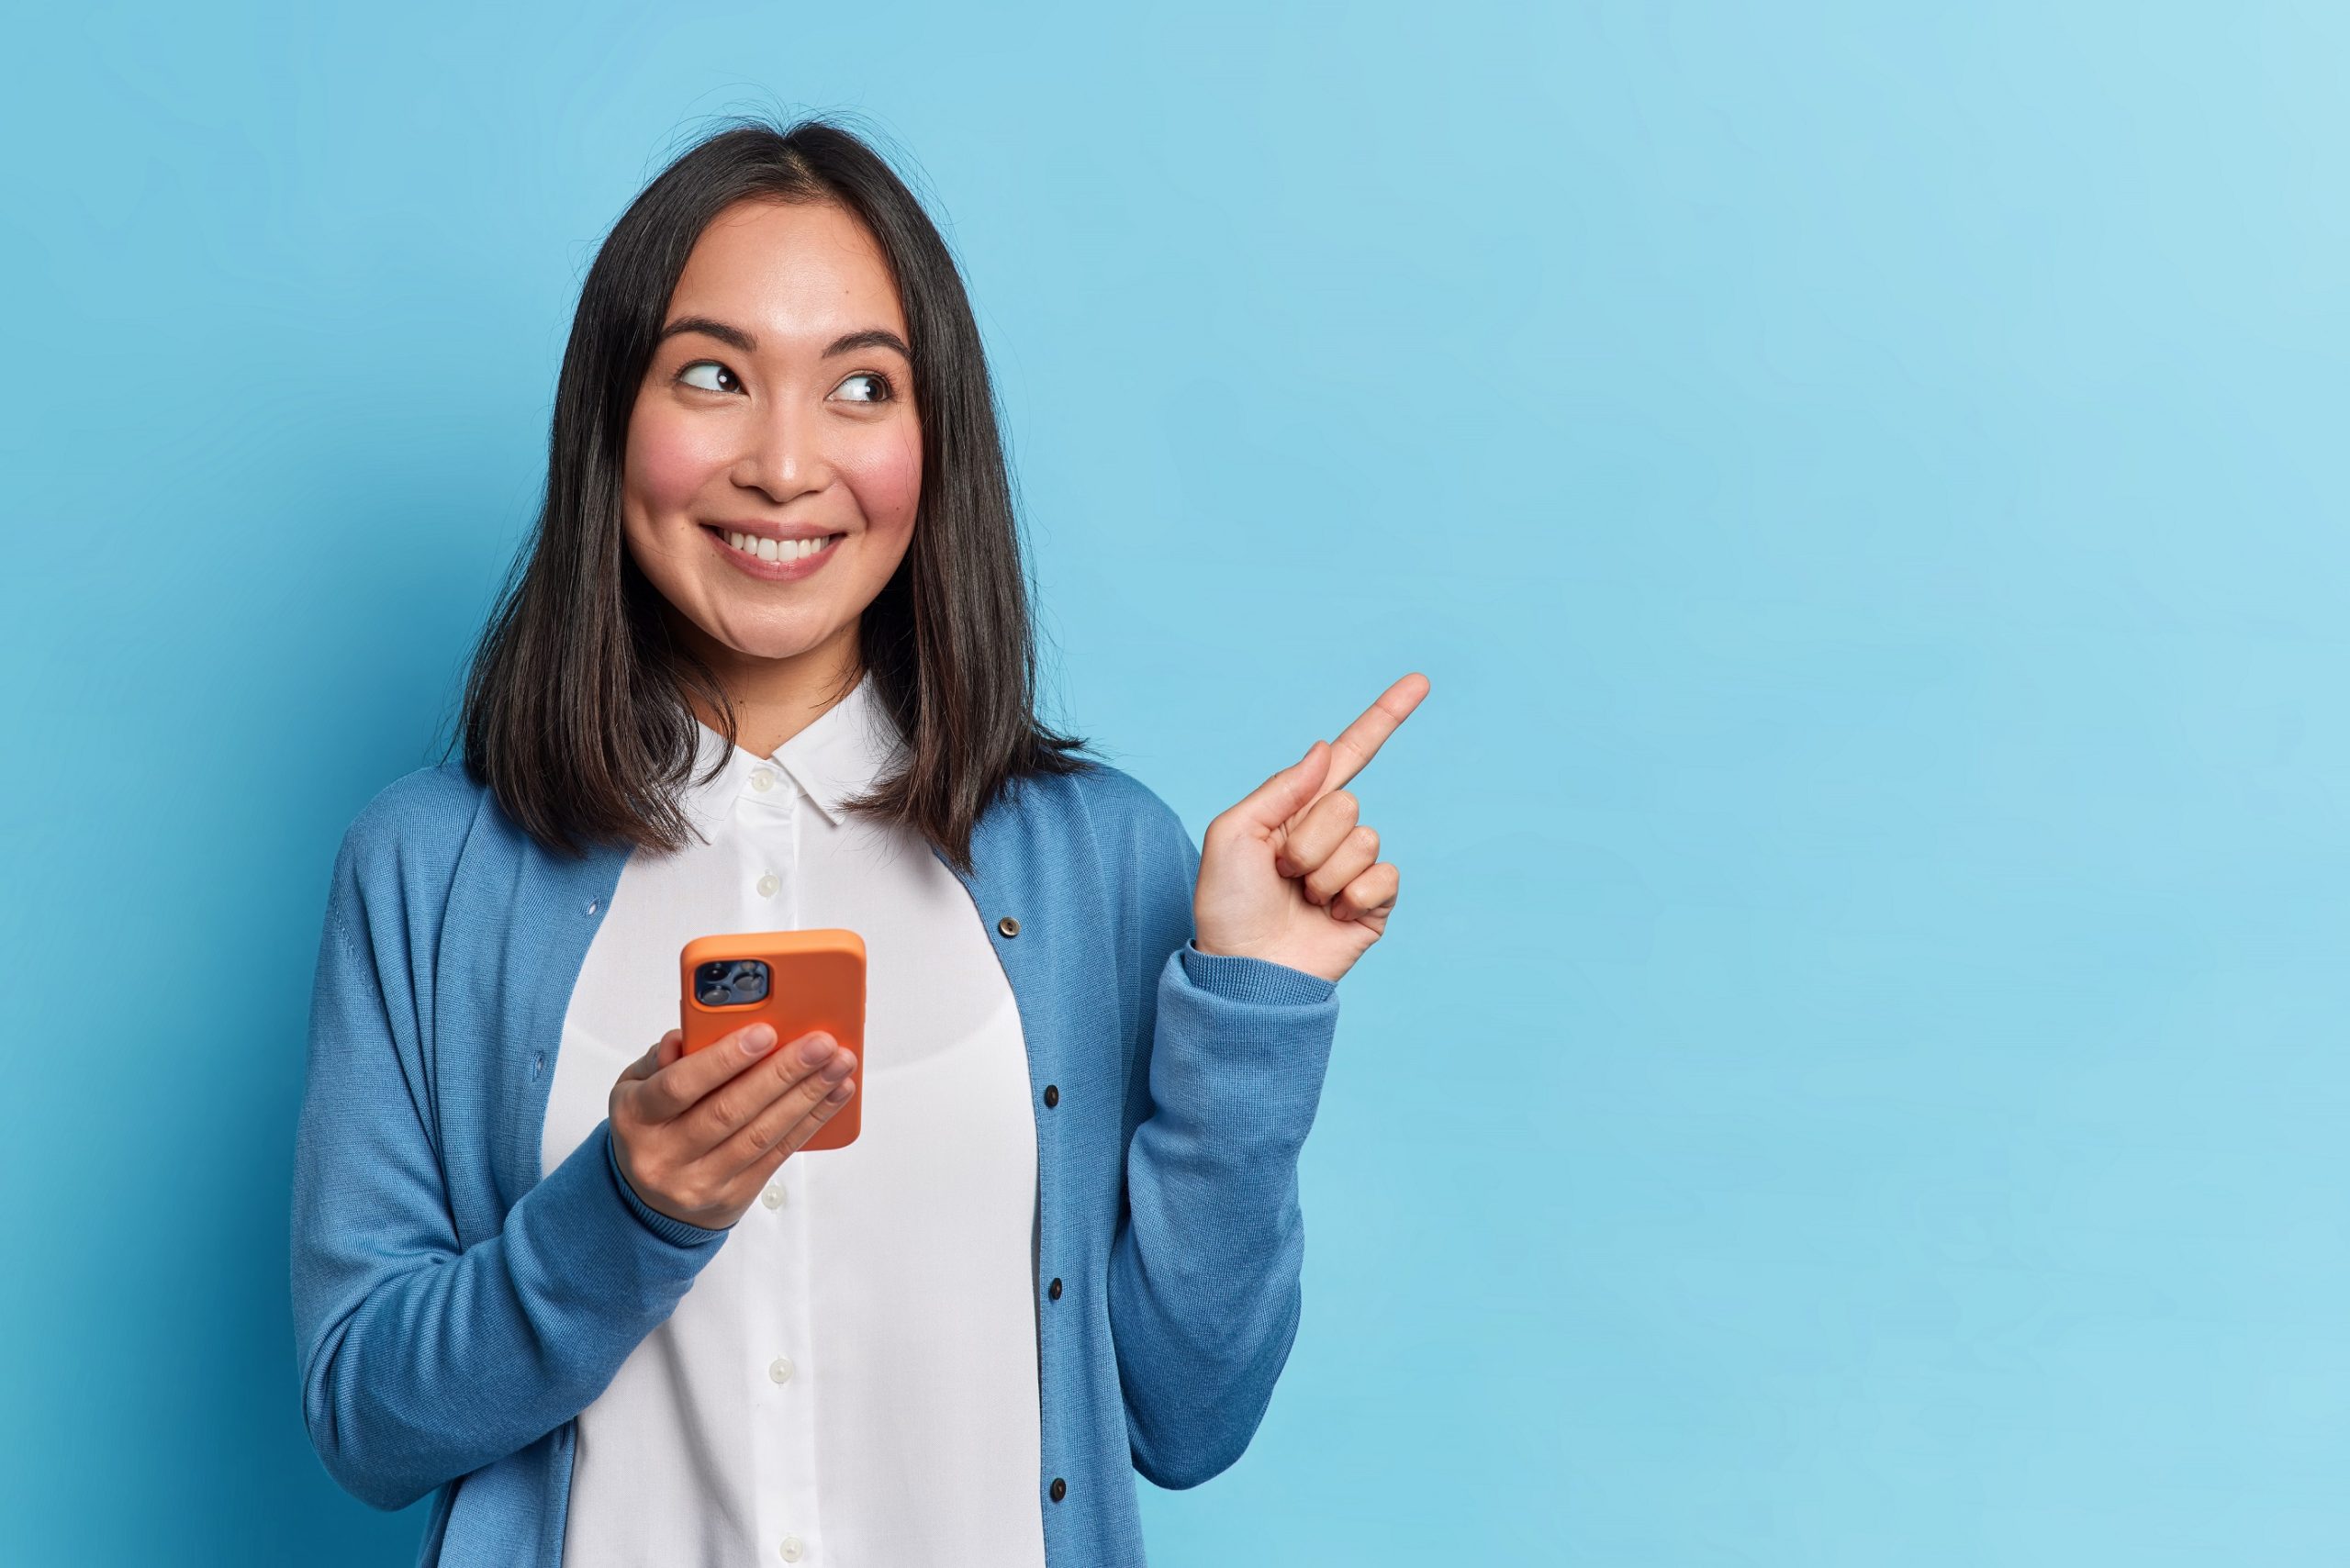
(1241, 979)
(661, 1224)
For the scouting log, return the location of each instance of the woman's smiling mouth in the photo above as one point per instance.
(772, 560)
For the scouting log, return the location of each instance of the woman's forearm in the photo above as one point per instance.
(1204, 1294)
(421, 1359)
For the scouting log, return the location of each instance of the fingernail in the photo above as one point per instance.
(818, 1048)
(838, 1067)
(757, 1038)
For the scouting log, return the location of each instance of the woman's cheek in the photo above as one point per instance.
(669, 462)
(887, 481)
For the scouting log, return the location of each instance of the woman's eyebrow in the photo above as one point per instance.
(847, 342)
(870, 338)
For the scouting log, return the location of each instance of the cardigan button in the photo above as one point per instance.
(1055, 1291)
(1008, 925)
(1060, 1489)
(1052, 1094)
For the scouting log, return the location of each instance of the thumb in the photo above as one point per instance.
(1288, 792)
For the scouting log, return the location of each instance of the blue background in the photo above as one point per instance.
(1851, 1076)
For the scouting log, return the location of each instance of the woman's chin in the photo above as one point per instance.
(761, 639)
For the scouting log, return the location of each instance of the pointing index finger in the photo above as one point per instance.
(1360, 741)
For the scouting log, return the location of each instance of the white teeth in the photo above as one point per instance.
(773, 550)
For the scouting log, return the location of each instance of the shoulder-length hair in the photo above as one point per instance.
(575, 710)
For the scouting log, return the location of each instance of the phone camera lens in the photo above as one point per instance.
(730, 982)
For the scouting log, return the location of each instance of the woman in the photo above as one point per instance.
(765, 664)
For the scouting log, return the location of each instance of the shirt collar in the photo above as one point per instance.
(843, 751)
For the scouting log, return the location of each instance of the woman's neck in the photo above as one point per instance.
(774, 699)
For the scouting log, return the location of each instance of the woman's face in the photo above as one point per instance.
(779, 405)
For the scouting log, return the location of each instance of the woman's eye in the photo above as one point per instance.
(715, 370)
(880, 381)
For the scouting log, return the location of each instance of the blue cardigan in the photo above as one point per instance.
(454, 1309)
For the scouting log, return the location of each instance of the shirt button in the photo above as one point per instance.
(772, 1197)
(1055, 1291)
(1060, 1489)
(763, 782)
(1052, 1093)
(1008, 925)
(781, 1368)
(768, 884)
(790, 1549)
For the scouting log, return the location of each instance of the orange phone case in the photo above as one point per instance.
(815, 981)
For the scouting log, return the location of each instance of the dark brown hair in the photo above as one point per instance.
(575, 710)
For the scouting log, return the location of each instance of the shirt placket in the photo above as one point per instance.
(783, 1356)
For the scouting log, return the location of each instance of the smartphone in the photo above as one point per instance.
(798, 981)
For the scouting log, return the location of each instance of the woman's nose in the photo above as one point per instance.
(786, 457)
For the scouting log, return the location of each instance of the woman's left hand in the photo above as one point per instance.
(1290, 874)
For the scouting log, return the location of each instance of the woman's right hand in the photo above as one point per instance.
(697, 1136)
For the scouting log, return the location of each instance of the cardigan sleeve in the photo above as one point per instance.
(1205, 1269)
(423, 1361)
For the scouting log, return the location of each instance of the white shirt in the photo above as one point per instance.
(851, 1380)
